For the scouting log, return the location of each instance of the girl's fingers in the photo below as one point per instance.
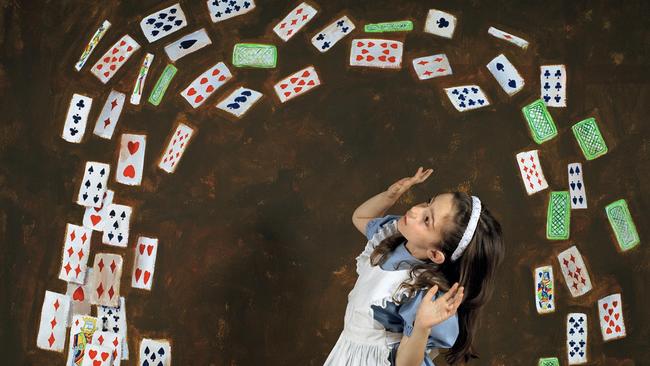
(451, 292)
(432, 292)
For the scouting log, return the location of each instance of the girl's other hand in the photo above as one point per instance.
(431, 313)
(404, 184)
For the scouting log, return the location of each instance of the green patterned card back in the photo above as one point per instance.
(539, 121)
(398, 26)
(254, 55)
(558, 217)
(549, 361)
(161, 85)
(589, 138)
(621, 220)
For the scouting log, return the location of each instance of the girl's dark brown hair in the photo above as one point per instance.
(475, 270)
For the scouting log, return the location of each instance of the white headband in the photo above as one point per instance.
(469, 231)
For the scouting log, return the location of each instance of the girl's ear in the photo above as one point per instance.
(436, 256)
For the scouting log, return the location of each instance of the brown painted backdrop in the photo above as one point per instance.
(257, 246)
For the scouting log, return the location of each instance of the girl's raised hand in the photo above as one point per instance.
(404, 184)
(431, 313)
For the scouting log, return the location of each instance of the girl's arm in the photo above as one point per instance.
(411, 349)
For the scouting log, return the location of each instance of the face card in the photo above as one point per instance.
(330, 35)
(433, 66)
(621, 221)
(540, 122)
(187, 44)
(610, 313)
(531, 171)
(381, 53)
(105, 282)
(239, 101)
(77, 118)
(79, 297)
(136, 95)
(90, 47)
(203, 86)
(145, 262)
(574, 271)
(294, 21)
(296, 84)
(116, 228)
(498, 33)
(110, 114)
(225, 9)
(467, 97)
(93, 185)
(94, 217)
(577, 186)
(589, 138)
(130, 163)
(114, 58)
(113, 319)
(176, 147)
(111, 341)
(544, 290)
(54, 316)
(155, 352)
(76, 248)
(558, 216)
(553, 82)
(257, 55)
(576, 338)
(440, 23)
(96, 355)
(81, 335)
(163, 23)
(506, 75)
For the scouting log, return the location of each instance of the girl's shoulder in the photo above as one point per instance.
(375, 224)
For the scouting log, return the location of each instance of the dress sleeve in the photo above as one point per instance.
(373, 225)
(442, 335)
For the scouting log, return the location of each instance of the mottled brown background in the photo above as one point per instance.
(256, 242)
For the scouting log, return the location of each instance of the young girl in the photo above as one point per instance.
(402, 307)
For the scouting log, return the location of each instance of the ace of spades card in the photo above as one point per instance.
(77, 118)
(95, 217)
(113, 319)
(130, 163)
(76, 248)
(163, 22)
(574, 271)
(467, 97)
(116, 229)
(225, 9)
(93, 184)
(330, 35)
(187, 44)
(54, 316)
(207, 83)
(239, 101)
(116, 56)
(155, 352)
(105, 281)
(506, 75)
(610, 314)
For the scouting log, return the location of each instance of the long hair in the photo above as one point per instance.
(475, 270)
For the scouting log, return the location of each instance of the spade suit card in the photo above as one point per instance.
(294, 21)
(54, 316)
(105, 281)
(113, 319)
(577, 186)
(76, 118)
(95, 217)
(381, 53)
(239, 101)
(117, 225)
(144, 264)
(93, 184)
(610, 314)
(187, 44)
(109, 115)
(176, 147)
(116, 56)
(506, 75)
(205, 84)
(433, 66)
(297, 84)
(130, 163)
(76, 249)
(163, 22)
(156, 352)
(221, 10)
(331, 34)
(553, 84)
(467, 97)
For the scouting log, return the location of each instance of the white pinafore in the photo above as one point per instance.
(364, 341)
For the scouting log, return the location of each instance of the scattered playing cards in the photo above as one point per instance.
(381, 53)
(116, 229)
(576, 338)
(105, 281)
(163, 22)
(429, 67)
(81, 333)
(114, 58)
(77, 118)
(508, 37)
(577, 186)
(620, 219)
(187, 44)
(467, 97)
(145, 262)
(553, 83)
(531, 171)
(544, 290)
(330, 35)
(130, 163)
(136, 95)
(54, 317)
(79, 297)
(558, 216)
(155, 352)
(506, 75)
(95, 355)
(110, 114)
(610, 313)
(163, 82)
(296, 84)
(76, 249)
(112, 342)
(93, 184)
(175, 147)
(540, 122)
(440, 23)
(254, 55)
(225, 9)
(239, 101)
(574, 271)
(589, 138)
(205, 84)
(94, 41)
(397, 26)
(113, 319)
(294, 21)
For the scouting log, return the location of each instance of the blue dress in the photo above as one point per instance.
(400, 318)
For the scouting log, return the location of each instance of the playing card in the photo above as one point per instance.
(621, 221)
(94, 217)
(205, 84)
(76, 248)
(116, 228)
(110, 114)
(187, 44)
(294, 21)
(105, 281)
(145, 262)
(610, 313)
(397, 26)
(553, 83)
(433, 66)
(440, 23)
(254, 55)
(577, 186)
(467, 97)
(576, 338)
(163, 82)
(558, 216)
(114, 58)
(540, 122)
(548, 361)
(142, 76)
(589, 138)
(508, 37)
(239, 101)
(112, 341)
(93, 184)
(296, 84)
(382, 53)
(175, 147)
(81, 334)
(574, 271)
(90, 47)
(79, 297)
(531, 171)
(130, 162)
(77, 118)
(113, 319)
(330, 35)
(544, 290)
(163, 22)
(156, 352)
(54, 315)
(95, 355)
(506, 75)
(225, 9)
